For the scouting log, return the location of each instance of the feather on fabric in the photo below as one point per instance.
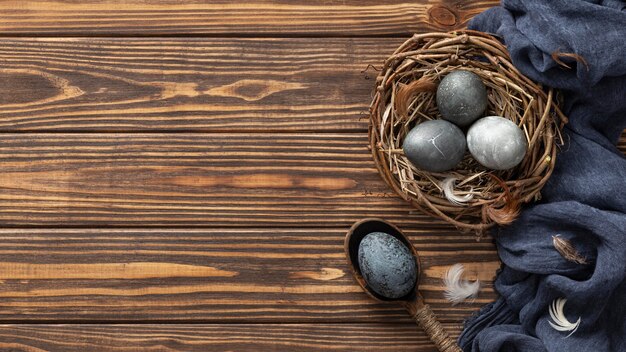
(560, 322)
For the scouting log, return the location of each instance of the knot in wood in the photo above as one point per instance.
(442, 15)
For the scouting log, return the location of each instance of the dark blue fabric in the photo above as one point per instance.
(585, 199)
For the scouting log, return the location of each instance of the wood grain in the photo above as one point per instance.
(211, 180)
(207, 338)
(223, 17)
(188, 85)
(215, 276)
(240, 180)
(130, 85)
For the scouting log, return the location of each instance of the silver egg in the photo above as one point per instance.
(496, 143)
(461, 97)
(387, 265)
(435, 145)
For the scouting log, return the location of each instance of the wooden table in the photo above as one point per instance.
(179, 176)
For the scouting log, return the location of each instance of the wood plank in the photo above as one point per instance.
(223, 180)
(223, 17)
(215, 276)
(188, 85)
(204, 85)
(207, 338)
(249, 180)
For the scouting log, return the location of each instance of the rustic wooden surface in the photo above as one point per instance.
(255, 18)
(213, 275)
(249, 180)
(179, 176)
(188, 84)
(202, 338)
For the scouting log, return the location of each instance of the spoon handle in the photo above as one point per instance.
(427, 320)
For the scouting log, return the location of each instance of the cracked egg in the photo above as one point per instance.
(435, 145)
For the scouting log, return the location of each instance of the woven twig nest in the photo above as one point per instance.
(405, 97)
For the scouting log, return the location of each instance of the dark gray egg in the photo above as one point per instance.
(461, 97)
(496, 143)
(387, 265)
(435, 145)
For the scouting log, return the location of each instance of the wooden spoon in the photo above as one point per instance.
(413, 301)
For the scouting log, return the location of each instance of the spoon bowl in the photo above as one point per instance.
(412, 301)
(351, 245)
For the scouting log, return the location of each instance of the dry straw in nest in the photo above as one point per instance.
(405, 97)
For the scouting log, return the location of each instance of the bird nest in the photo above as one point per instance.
(405, 97)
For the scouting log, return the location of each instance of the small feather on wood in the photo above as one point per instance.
(447, 185)
(567, 250)
(560, 322)
(458, 289)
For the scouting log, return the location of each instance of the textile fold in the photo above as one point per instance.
(584, 200)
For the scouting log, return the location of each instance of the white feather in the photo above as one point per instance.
(447, 185)
(560, 320)
(457, 289)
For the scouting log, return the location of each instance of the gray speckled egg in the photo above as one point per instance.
(387, 265)
(435, 145)
(496, 143)
(461, 97)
